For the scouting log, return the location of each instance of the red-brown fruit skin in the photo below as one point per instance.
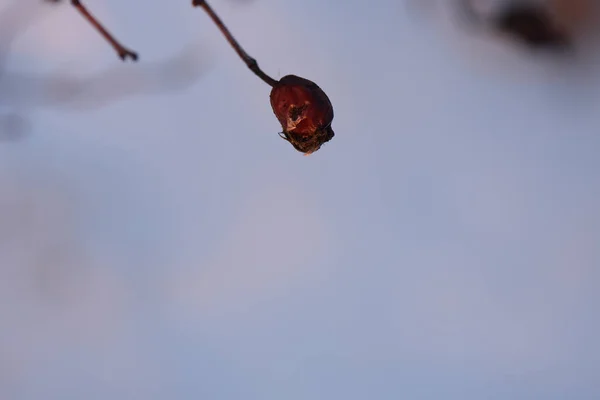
(304, 112)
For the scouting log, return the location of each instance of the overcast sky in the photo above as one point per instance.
(169, 245)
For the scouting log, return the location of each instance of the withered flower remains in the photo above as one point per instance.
(302, 107)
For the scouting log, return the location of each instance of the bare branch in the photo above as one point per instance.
(121, 50)
(249, 61)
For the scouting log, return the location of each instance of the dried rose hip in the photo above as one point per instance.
(304, 111)
(302, 108)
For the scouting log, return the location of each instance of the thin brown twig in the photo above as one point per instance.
(248, 60)
(121, 50)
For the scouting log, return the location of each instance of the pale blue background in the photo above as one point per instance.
(444, 245)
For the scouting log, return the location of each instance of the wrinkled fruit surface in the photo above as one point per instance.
(304, 111)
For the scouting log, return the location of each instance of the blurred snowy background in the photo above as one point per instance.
(158, 240)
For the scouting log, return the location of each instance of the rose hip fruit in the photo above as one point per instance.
(302, 108)
(304, 111)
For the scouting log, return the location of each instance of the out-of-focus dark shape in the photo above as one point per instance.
(534, 26)
(121, 50)
(553, 25)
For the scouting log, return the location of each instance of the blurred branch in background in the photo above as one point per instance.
(117, 83)
(21, 93)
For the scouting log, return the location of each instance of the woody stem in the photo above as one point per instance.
(249, 61)
(121, 50)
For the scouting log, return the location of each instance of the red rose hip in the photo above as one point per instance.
(302, 108)
(304, 112)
